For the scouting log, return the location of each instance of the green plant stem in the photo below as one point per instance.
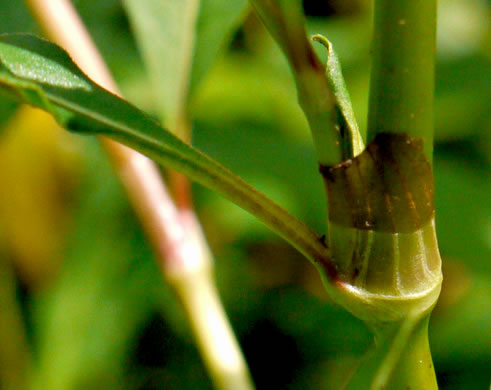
(414, 368)
(402, 75)
(400, 360)
(285, 22)
(401, 101)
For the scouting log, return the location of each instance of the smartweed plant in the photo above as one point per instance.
(379, 258)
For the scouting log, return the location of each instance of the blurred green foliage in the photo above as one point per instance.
(103, 318)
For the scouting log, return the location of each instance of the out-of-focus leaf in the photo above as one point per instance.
(108, 26)
(463, 211)
(179, 41)
(165, 31)
(216, 22)
(15, 17)
(462, 26)
(350, 37)
(225, 97)
(86, 321)
(463, 97)
(461, 335)
(281, 166)
(42, 74)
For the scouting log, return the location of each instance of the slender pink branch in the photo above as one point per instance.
(140, 176)
(181, 249)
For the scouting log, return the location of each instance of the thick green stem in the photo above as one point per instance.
(402, 78)
(400, 360)
(414, 369)
(401, 101)
(284, 20)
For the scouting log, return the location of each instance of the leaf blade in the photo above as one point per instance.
(216, 22)
(179, 42)
(97, 111)
(165, 32)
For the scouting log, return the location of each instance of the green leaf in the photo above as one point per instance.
(71, 352)
(350, 132)
(165, 32)
(82, 106)
(179, 41)
(216, 23)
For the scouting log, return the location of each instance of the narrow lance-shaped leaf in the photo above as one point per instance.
(179, 41)
(217, 21)
(40, 73)
(350, 132)
(165, 32)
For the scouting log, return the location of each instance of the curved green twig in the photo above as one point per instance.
(40, 73)
(285, 22)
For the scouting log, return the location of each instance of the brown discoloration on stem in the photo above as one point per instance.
(314, 61)
(181, 189)
(374, 153)
(326, 263)
(387, 188)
